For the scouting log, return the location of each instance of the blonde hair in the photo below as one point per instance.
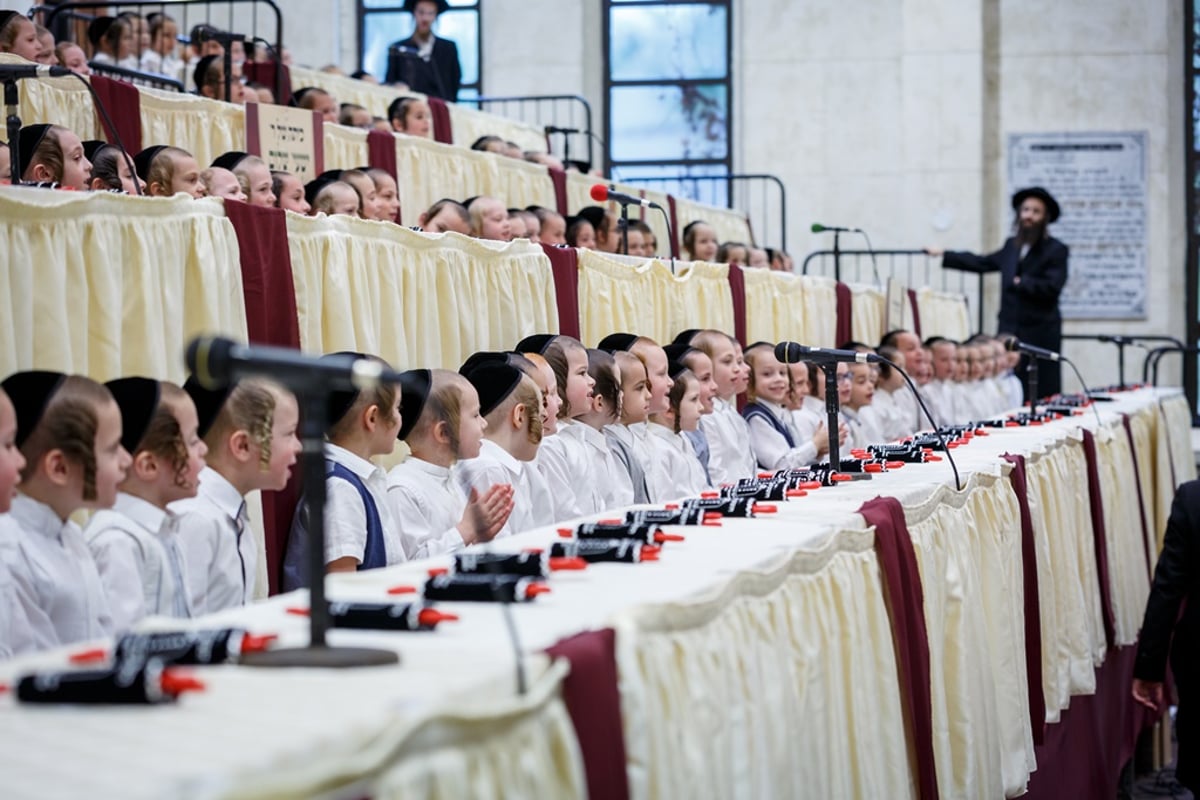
(528, 395)
(556, 357)
(383, 396)
(751, 356)
(162, 167)
(49, 154)
(164, 437)
(684, 381)
(239, 171)
(327, 196)
(447, 393)
(69, 424)
(250, 407)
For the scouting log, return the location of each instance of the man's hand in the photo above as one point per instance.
(934, 251)
(485, 516)
(1148, 693)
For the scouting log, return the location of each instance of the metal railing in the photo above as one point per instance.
(912, 267)
(566, 119)
(761, 197)
(150, 79)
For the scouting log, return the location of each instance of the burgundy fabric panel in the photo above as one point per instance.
(1137, 479)
(1033, 612)
(559, 178)
(124, 106)
(1096, 499)
(906, 607)
(845, 326)
(564, 265)
(266, 73)
(1084, 751)
(671, 212)
(381, 154)
(442, 132)
(270, 319)
(916, 312)
(594, 703)
(737, 288)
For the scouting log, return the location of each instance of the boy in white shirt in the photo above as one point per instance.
(730, 456)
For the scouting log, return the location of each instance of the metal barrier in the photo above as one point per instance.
(150, 79)
(566, 118)
(751, 193)
(912, 267)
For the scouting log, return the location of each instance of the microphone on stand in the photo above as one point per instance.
(819, 228)
(1014, 345)
(217, 362)
(791, 352)
(550, 129)
(15, 72)
(601, 193)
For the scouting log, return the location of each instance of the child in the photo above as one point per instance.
(368, 197)
(700, 242)
(252, 174)
(209, 77)
(890, 416)
(387, 195)
(71, 56)
(563, 458)
(53, 154)
(360, 530)
(733, 253)
(160, 57)
(516, 224)
(354, 116)
(113, 42)
(110, 169)
(445, 215)
(728, 435)
(311, 98)
(442, 426)
(135, 545)
(331, 197)
(16, 635)
(489, 219)
(411, 116)
(511, 403)
(680, 473)
(775, 442)
(580, 233)
(701, 367)
(543, 513)
(533, 227)
(552, 228)
(46, 54)
(289, 192)
(168, 171)
(649, 243)
(220, 182)
(611, 479)
(69, 432)
(250, 432)
(18, 36)
(627, 437)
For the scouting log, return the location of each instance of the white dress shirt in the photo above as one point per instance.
(633, 437)
(939, 396)
(129, 545)
(563, 461)
(769, 445)
(218, 545)
(62, 575)
(531, 496)
(610, 478)
(730, 457)
(18, 607)
(345, 519)
(427, 503)
(869, 430)
(895, 422)
(681, 474)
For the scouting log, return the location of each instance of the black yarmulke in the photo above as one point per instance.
(208, 403)
(536, 343)
(143, 160)
(137, 398)
(414, 391)
(92, 147)
(98, 27)
(314, 187)
(230, 160)
(678, 352)
(615, 342)
(340, 401)
(685, 337)
(494, 382)
(29, 138)
(476, 360)
(31, 393)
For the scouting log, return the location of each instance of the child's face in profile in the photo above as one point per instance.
(112, 461)
(579, 382)
(285, 446)
(187, 177)
(291, 195)
(417, 120)
(223, 183)
(387, 197)
(689, 407)
(11, 460)
(471, 425)
(258, 178)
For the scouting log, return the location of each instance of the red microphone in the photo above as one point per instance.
(601, 193)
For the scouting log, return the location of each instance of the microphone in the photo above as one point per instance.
(1014, 345)
(791, 352)
(600, 193)
(819, 228)
(15, 72)
(555, 129)
(216, 362)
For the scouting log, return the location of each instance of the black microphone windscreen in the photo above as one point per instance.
(1012, 344)
(787, 352)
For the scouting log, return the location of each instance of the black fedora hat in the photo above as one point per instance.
(411, 5)
(1052, 209)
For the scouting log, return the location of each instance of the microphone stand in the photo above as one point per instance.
(831, 411)
(317, 653)
(1031, 383)
(11, 101)
(837, 255)
(624, 229)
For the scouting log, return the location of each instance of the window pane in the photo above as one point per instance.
(381, 29)
(668, 178)
(668, 122)
(670, 41)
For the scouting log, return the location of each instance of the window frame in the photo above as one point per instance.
(1191, 90)
(397, 7)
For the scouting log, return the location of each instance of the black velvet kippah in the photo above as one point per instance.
(5, 17)
(208, 403)
(137, 398)
(98, 27)
(494, 382)
(93, 146)
(678, 352)
(143, 160)
(536, 343)
(414, 391)
(314, 187)
(340, 401)
(685, 337)
(230, 160)
(617, 341)
(31, 393)
(29, 138)
(476, 360)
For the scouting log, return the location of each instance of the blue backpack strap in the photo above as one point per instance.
(755, 410)
(375, 552)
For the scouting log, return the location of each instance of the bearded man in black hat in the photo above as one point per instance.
(427, 63)
(1033, 270)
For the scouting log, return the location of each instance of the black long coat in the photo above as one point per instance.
(1176, 581)
(1028, 309)
(440, 76)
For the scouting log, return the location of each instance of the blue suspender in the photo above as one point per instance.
(375, 552)
(756, 410)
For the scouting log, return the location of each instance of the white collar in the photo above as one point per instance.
(776, 410)
(623, 433)
(660, 430)
(593, 437)
(441, 474)
(352, 461)
(37, 517)
(143, 512)
(506, 459)
(217, 488)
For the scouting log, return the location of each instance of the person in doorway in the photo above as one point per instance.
(425, 62)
